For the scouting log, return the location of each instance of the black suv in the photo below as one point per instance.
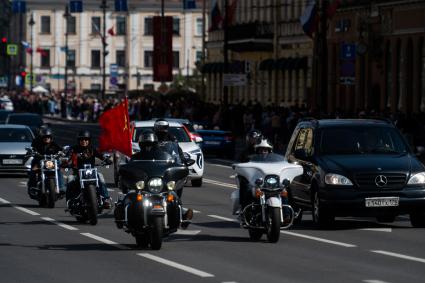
(355, 168)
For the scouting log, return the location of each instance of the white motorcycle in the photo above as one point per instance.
(264, 180)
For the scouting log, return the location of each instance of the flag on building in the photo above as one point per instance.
(332, 7)
(42, 51)
(216, 18)
(27, 47)
(310, 18)
(111, 31)
(116, 131)
(231, 12)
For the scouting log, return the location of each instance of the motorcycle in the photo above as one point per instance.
(150, 209)
(47, 175)
(87, 204)
(265, 179)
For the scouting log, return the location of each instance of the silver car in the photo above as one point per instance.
(13, 141)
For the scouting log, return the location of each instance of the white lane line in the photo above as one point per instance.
(223, 218)
(388, 230)
(196, 211)
(2, 200)
(412, 258)
(100, 239)
(111, 190)
(220, 165)
(23, 209)
(209, 181)
(23, 183)
(182, 267)
(374, 281)
(319, 239)
(187, 232)
(65, 226)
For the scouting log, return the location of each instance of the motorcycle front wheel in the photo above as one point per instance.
(51, 197)
(273, 225)
(157, 231)
(92, 204)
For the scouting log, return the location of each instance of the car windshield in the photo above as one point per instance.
(361, 140)
(267, 158)
(28, 120)
(178, 132)
(15, 135)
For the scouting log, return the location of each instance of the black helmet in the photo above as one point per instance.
(253, 136)
(161, 125)
(147, 138)
(46, 132)
(85, 134)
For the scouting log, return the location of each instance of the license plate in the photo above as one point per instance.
(212, 142)
(12, 161)
(382, 202)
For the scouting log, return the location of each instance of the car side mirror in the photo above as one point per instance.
(301, 154)
(198, 139)
(189, 162)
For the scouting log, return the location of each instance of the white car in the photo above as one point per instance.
(6, 103)
(189, 147)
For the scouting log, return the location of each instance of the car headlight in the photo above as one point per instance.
(155, 185)
(339, 180)
(171, 185)
(417, 179)
(49, 164)
(140, 185)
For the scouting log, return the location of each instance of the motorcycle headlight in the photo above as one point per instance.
(338, 180)
(171, 185)
(271, 181)
(49, 164)
(140, 185)
(417, 179)
(155, 185)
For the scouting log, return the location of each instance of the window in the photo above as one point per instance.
(149, 26)
(45, 24)
(95, 86)
(70, 60)
(148, 59)
(45, 58)
(71, 25)
(305, 141)
(95, 58)
(199, 27)
(198, 56)
(176, 26)
(95, 25)
(176, 59)
(120, 58)
(121, 26)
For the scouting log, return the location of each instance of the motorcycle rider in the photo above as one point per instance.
(252, 138)
(85, 153)
(160, 128)
(43, 144)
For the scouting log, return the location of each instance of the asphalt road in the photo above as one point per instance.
(48, 245)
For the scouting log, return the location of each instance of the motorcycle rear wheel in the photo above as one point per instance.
(273, 225)
(92, 204)
(156, 233)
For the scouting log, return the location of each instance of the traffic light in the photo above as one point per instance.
(3, 46)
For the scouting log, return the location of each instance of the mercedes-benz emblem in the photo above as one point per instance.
(381, 181)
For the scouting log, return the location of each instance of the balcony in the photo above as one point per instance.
(255, 36)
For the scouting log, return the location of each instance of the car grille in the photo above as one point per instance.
(393, 180)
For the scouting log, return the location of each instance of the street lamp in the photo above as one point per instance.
(31, 23)
(66, 15)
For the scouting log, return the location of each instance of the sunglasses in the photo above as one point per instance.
(84, 139)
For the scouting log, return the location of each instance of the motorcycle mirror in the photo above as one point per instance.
(285, 183)
(190, 162)
(107, 155)
(259, 181)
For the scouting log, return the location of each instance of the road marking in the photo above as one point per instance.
(100, 239)
(233, 176)
(182, 267)
(319, 239)
(2, 200)
(219, 165)
(187, 232)
(23, 209)
(374, 281)
(399, 256)
(209, 181)
(223, 218)
(111, 190)
(388, 230)
(196, 211)
(68, 227)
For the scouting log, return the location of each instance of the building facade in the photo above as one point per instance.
(129, 41)
(388, 65)
(267, 43)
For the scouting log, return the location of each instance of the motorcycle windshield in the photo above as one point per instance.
(267, 158)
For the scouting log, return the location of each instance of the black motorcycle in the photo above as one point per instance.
(47, 175)
(86, 202)
(151, 208)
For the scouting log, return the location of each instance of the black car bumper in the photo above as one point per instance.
(351, 202)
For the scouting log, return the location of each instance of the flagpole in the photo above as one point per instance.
(66, 16)
(31, 23)
(103, 6)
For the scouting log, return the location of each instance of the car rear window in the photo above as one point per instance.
(178, 132)
(361, 140)
(15, 135)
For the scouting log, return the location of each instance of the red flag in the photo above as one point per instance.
(231, 12)
(41, 51)
(116, 130)
(111, 31)
(333, 6)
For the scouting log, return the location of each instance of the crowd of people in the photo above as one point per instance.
(276, 122)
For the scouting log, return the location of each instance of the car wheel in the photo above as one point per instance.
(196, 182)
(385, 218)
(321, 217)
(417, 219)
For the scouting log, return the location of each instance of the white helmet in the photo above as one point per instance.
(264, 143)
